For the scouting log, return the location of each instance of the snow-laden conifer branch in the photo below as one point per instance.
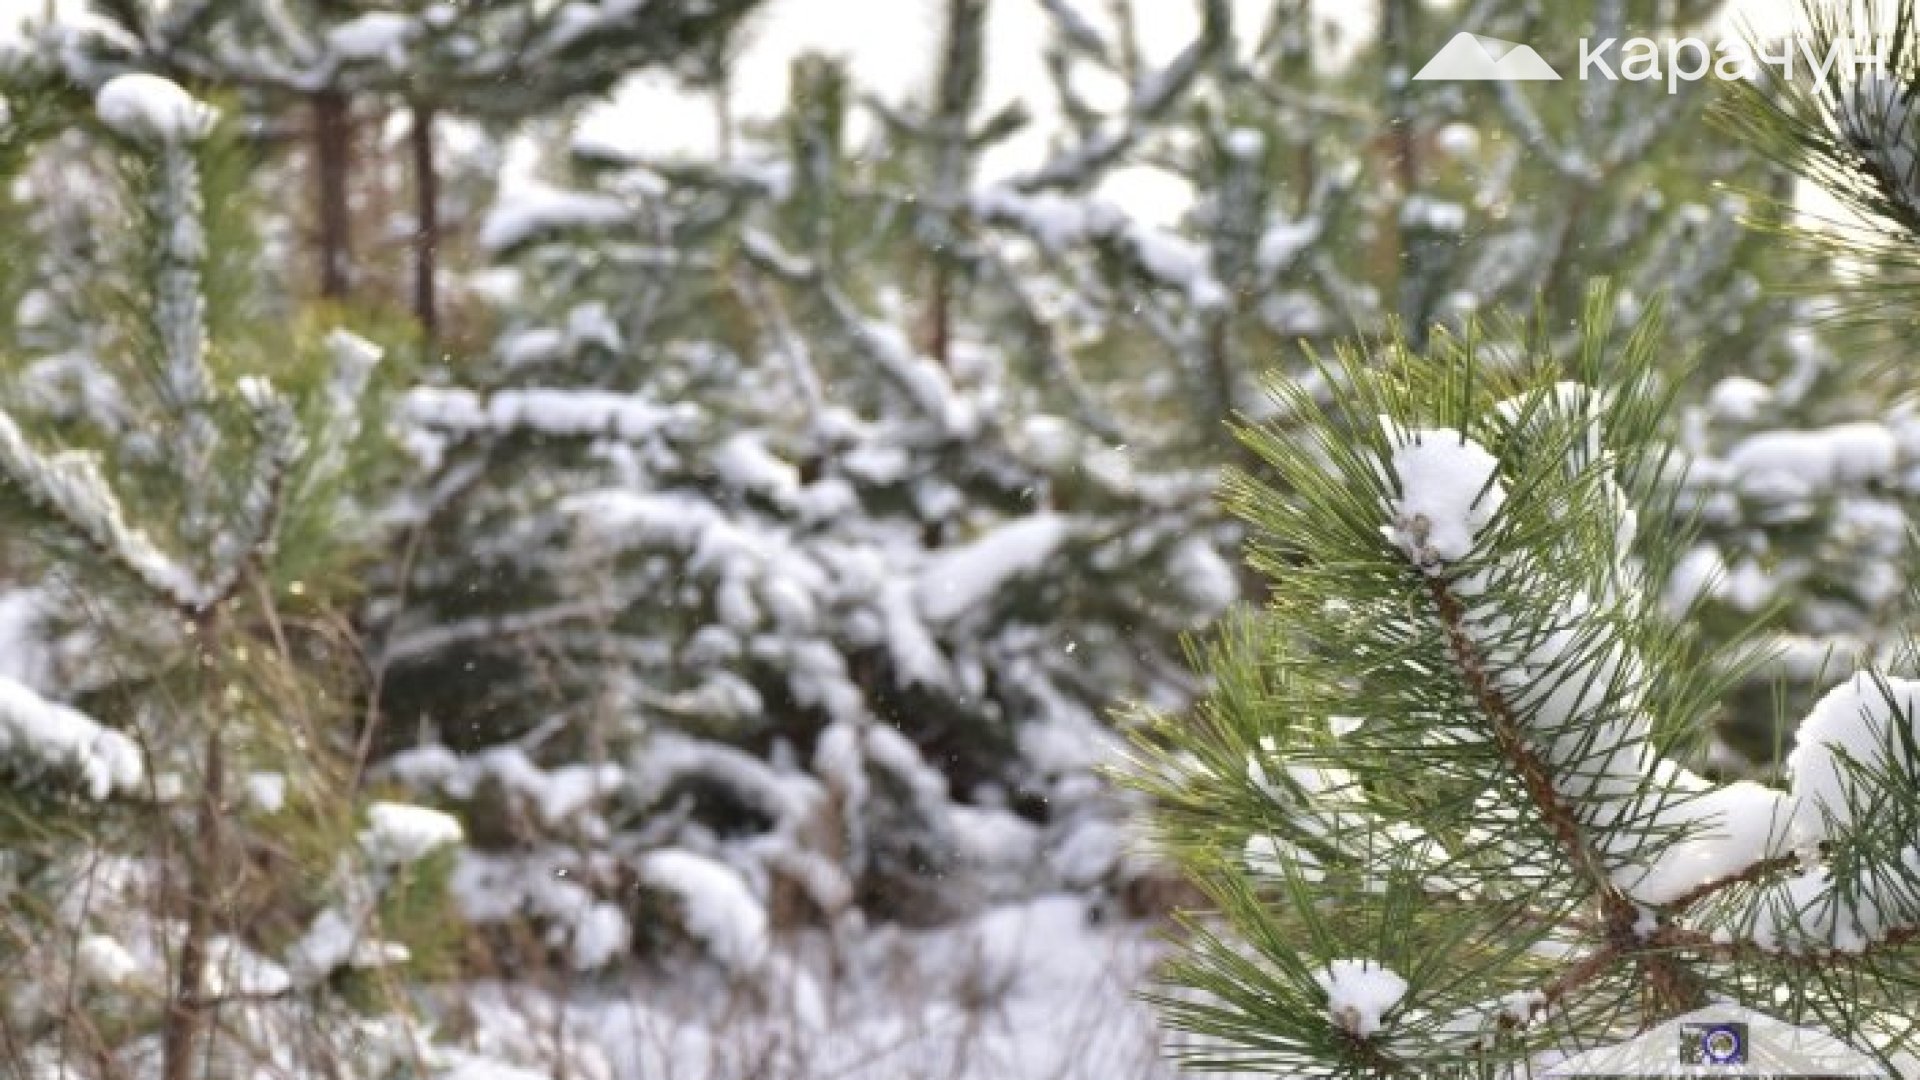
(38, 735)
(1856, 136)
(1446, 745)
(340, 424)
(1551, 705)
(165, 124)
(249, 534)
(915, 375)
(161, 120)
(179, 314)
(1535, 775)
(70, 488)
(550, 411)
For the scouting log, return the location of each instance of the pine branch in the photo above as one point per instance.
(1153, 94)
(1759, 871)
(1560, 817)
(70, 489)
(1673, 987)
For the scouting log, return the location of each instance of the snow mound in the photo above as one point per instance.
(149, 107)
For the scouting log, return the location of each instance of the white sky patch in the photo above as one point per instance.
(893, 55)
(897, 35)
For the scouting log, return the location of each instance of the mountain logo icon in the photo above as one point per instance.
(1474, 58)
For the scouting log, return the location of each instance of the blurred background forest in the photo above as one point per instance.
(596, 538)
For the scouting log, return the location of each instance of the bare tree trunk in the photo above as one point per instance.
(189, 1011)
(333, 164)
(957, 94)
(1398, 18)
(426, 226)
(940, 314)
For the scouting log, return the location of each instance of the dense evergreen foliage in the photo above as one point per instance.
(460, 569)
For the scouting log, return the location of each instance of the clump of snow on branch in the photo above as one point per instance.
(1448, 493)
(537, 210)
(1360, 993)
(1729, 828)
(1796, 464)
(401, 833)
(380, 36)
(334, 941)
(1856, 729)
(546, 411)
(149, 107)
(38, 734)
(717, 907)
(957, 581)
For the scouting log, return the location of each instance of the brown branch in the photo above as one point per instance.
(1575, 979)
(1762, 869)
(1675, 937)
(187, 1012)
(426, 225)
(1533, 772)
(1670, 984)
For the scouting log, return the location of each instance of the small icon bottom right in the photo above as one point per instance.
(1713, 1044)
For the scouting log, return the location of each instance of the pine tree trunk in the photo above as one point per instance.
(1396, 19)
(333, 164)
(189, 1011)
(426, 232)
(940, 313)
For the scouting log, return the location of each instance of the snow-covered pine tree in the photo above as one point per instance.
(1332, 194)
(1802, 475)
(1356, 196)
(812, 582)
(501, 63)
(1802, 484)
(1435, 793)
(192, 888)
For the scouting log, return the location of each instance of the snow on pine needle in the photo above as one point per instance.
(1360, 994)
(1449, 491)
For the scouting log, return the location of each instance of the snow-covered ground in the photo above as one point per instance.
(1045, 989)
